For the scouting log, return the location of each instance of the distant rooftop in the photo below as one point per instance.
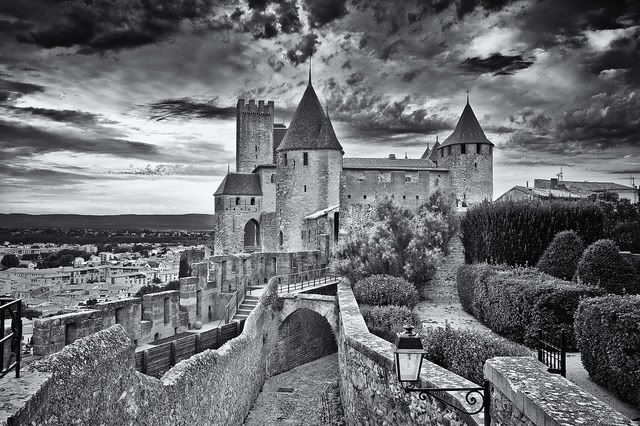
(582, 186)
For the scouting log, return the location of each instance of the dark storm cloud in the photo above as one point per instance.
(189, 108)
(322, 12)
(355, 78)
(410, 75)
(465, 7)
(21, 140)
(11, 90)
(78, 118)
(103, 25)
(496, 64)
(306, 47)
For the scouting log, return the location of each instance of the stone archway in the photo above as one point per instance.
(303, 336)
(252, 234)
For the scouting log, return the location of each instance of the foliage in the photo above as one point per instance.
(518, 302)
(603, 265)
(561, 258)
(387, 321)
(608, 336)
(443, 204)
(63, 257)
(465, 351)
(621, 220)
(398, 243)
(156, 280)
(91, 302)
(385, 290)
(9, 261)
(172, 285)
(152, 288)
(517, 233)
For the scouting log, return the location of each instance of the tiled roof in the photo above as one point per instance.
(388, 164)
(432, 156)
(279, 130)
(304, 131)
(240, 184)
(584, 186)
(549, 193)
(467, 130)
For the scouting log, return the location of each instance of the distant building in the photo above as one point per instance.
(554, 189)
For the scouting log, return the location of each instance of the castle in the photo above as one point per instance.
(293, 187)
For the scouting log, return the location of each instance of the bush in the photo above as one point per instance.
(388, 321)
(603, 265)
(517, 302)
(608, 336)
(385, 290)
(517, 233)
(561, 258)
(465, 351)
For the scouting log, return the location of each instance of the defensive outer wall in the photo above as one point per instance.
(94, 379)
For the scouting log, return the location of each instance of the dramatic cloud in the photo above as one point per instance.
(78, 118)
(306, 47)
(189, 108)
(11, 90)
(497, 64)
(322, 12)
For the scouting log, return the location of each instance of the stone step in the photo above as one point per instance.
(246, 311)
(253, 302)
(239, 317)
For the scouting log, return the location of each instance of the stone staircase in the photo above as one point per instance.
(245, 308)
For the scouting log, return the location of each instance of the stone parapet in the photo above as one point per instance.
(523, 393)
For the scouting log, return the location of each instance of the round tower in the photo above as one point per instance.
(309, 162)
(468, 155)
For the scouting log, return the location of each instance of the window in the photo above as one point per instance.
(407, 179)
(449, 150)
(349, 197)
(166, 310)
(237, 201)
(404, 197)
(463, 149)
(417, 197)
(441, 152)
(198, 302)
(273, 178)
(253, 201)
(305, 188)
(256, 148)
(365, 197)
(479, 148)
(285, 160)
(475, 165)
(281, 241)
(305, 159)
(490, 150)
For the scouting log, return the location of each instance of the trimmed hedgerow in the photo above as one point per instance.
(517, 233)
(608, 336)
(465, 351)
(517, 302)
(388, 321)
(385, 290)
(603, 265)
(561, 258)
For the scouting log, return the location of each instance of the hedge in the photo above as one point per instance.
(517, 233)
(465, 351)
(603, 265)
(561, 258)
(517, 302)
(385, 290)
(388, 321)
(608, 336)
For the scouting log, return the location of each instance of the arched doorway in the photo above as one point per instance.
(252, 234)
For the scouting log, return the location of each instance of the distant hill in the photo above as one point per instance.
(164, 222)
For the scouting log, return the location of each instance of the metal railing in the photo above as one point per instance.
(553, 355)
(14, 338)
(305, 279)
(236, 300)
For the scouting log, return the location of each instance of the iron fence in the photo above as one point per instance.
(305, 279)
(553, 354)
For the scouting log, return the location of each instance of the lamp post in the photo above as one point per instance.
(409, 353)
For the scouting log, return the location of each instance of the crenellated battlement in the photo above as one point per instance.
(251, 107)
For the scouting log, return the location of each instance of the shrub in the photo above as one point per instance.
(388, 321)
(517, 302)
(385, 290)
(608, 336)
(517, 233)
(561, 258)
(603, 265)
(465, 351)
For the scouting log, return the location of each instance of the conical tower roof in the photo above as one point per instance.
(432, 155)
(304, 131)
(468, 130)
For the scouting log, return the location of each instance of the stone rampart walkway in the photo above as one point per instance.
(305, 395)
(441, 306)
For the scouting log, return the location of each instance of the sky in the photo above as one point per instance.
(128, 106)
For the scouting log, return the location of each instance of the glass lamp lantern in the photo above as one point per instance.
(408, 353)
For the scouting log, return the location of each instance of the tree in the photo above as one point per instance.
(91, 302)
(156, 280)
(9, 261)
(561, 258)
(602, 265)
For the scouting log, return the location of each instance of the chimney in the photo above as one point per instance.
(554, 183)
(392, 156)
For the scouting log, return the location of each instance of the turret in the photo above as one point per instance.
(254, 134)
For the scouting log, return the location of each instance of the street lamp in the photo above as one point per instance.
(409, 353)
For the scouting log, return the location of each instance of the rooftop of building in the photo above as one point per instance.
(240, 184)
(467, 130)
(581, 186)
(389, 164)
(547, 192)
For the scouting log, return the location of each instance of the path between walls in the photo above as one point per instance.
(441, 306)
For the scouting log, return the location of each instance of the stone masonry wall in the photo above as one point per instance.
(230, 219)
(254, 134)
(471, 173)
(371, 393)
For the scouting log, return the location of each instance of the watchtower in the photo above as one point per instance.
(254, 134)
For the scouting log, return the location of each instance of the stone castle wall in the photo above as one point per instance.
(231, 215)
(471, 173)
(254, 134)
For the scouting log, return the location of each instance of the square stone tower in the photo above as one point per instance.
(254, 134)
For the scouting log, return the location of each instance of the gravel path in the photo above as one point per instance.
(306, 395)
(441, 306)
